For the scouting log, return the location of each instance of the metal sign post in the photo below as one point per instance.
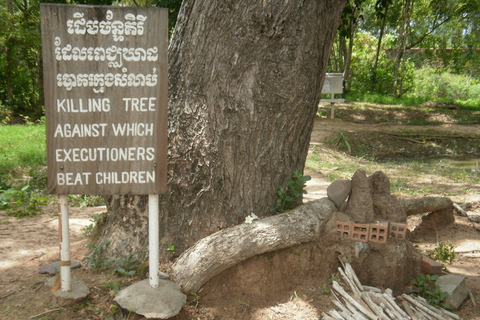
(153, 239)
(65, 276)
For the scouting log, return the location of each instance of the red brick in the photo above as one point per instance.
(398, 230)
(378, 232)
(430, 266)
(360, 232)
(344, 228)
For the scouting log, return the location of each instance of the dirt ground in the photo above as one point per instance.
(289, 284)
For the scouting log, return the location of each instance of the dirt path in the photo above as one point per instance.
(325, 126)
(28, 244)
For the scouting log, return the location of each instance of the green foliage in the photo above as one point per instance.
(126, 266)
(20, 54)
(446, 87)
(25, 202)
(195, 299)
(92, 229)
(386, 99)
(436, 298)
(325, 289)
(291, 193)
(76, 200)
(22, 153)
(443, 252)
(426, 288)
(95, 260)
(22, 150)
(171, 247)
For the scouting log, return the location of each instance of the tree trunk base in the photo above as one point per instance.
(226, 248)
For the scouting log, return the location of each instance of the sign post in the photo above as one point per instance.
(333, 84)
(153, 240)
(105, 75)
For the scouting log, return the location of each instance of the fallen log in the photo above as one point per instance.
(225, 248)
(425, 204)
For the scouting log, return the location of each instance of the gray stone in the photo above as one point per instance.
(79, 289)
(456, 288)
(54, 267)
(338, 192)
(163, 302)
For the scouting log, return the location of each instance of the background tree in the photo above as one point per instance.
(381, 12)
(245, 80)
(351, 16)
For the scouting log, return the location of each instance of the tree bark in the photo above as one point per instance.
(245, 79)
(425, 204)
(224, 249)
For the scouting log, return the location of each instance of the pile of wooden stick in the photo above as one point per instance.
(368, 303)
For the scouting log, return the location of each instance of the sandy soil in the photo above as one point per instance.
(28, 244)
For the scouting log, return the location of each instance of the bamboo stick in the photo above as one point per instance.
(348, 298)
(394, 305)
(349, 271)
(422, 307)
(377, 309)
(349, 281)
(409, 310)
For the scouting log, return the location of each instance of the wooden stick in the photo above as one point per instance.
(349, 281)
(394, 305)
(325, 316)
(348, 298)
(7, 295)
(376, 308)
(41, 314)
(407, 308)
(372, 289)
(470, 294)
(422, 307)
(347, 314)
(350, 272)
(353, 310)
(460, 210)
(388, 309)
(442, 311)
(336, 315)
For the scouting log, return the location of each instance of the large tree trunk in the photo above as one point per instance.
(245, 81)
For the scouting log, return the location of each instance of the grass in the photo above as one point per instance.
(23, 171)
(22, 151)
(413, 101)
(415, 178)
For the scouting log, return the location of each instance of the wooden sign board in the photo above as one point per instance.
(105, 74)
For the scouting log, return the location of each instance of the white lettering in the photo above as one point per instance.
(125, 177)
(132, 129)
(140, 104)
(73, 179)
(82, 130)
(105, 154)
(91, 105)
